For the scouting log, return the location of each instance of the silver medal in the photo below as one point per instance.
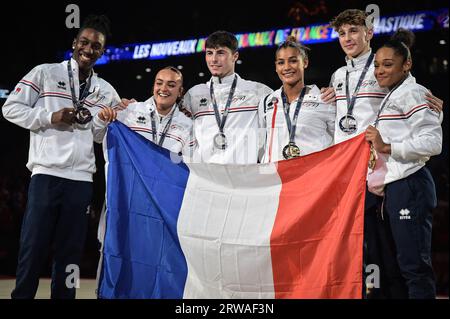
(220, 141)
(348, 124)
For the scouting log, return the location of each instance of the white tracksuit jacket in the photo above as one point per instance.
(315, 124)
(65, 151)
(241, 128)
(368, 98)
(179, 137)
(413, 130)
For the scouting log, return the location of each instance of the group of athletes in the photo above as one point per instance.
(230, 120)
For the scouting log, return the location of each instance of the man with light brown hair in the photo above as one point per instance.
(358, 100)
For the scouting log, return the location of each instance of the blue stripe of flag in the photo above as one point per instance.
(142, 256)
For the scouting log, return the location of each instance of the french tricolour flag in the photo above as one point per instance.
(292, 229)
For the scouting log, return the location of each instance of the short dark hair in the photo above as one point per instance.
(222, 39)
(100, 23)
(401, 42)
(349, 16)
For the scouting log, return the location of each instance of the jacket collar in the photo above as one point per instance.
(94, 78)
(226, 80)
(151, 104)
(357, 63)
(409, 80)
(312, 92)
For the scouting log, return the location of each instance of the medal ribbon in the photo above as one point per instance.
(221, 122)
(386, 100)
(165, 130)
(77, 103)
(292, 126)
(351, 101)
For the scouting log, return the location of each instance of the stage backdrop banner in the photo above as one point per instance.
(291, 229)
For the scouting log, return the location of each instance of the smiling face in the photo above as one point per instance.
(221, 61)
(88, 48)
(167, 88)
(354, 39)
(290, 66)
(390, 68)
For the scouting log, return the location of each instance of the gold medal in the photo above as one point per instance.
(291, 150)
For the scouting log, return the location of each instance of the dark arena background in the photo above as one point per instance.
(33, 33)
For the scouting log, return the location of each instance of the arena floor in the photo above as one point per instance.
(86, 290)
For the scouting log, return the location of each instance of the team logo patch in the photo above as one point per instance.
(141, 120)
(339, 86)
(203, 102)
(17, 91)
(61, 85)
(404, 214)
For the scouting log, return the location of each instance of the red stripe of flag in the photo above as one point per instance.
(317, 239)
